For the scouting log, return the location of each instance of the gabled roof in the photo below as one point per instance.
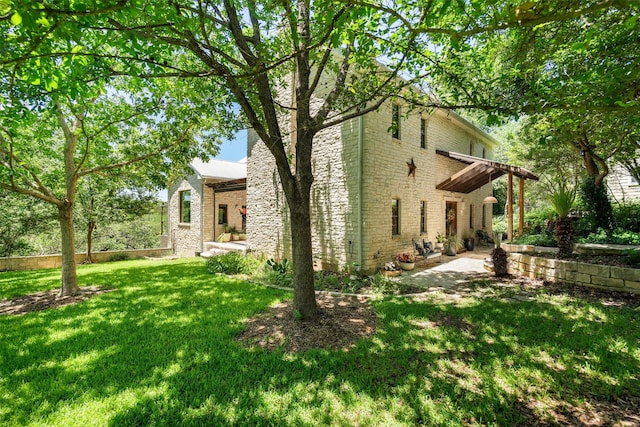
(479, 172)
(220, 169)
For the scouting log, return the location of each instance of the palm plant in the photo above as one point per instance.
(564, 232)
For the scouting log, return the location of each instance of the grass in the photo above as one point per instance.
(159, 350)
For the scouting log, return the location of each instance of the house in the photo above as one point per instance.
(623, 187)
(206, 203)
(378, 187)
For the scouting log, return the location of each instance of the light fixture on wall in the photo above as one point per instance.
(490, 199)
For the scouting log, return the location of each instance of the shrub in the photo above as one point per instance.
(617, 237)
(627, 216)
(120, 256)
(544, 239)
(632, 256)
(231, 263)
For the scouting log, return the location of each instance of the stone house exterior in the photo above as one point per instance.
(377, 187)
(623, 187)
(205, 203)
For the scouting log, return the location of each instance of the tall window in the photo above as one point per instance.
(471, 148)
(222, 214)
(484, 216)
(185, 206)
(423, 133)
(395, 121)
(484, 153)
(243, 212)
(395, 217)
(470, 216)
(423, 217)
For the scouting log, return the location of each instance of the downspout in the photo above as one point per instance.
(360, 190)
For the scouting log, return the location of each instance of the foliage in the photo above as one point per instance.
(280, 267)
(162, 345)
(405, 257)
(545, 239)
(632, 256)
(20, 217)
(232, 263)
(618, 236)
(120, 256)
(597, 205)
(627, 216)
(562, 202)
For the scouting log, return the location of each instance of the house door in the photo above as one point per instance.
(451, 218)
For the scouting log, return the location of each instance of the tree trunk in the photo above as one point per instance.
(90, 228)
(304, 297)
(69, 278)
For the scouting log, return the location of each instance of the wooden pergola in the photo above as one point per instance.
(480, 172)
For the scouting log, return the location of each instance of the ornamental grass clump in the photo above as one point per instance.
(564, 231)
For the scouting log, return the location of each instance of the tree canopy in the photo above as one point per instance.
(340, 60)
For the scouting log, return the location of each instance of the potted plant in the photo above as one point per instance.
(406, 261)
(234, 232)
(390, 269)
(225, 236)
(440, 239)
(451, 245)
(468, 238)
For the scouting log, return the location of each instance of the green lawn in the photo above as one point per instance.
(159, 350)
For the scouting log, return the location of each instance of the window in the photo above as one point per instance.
(222, 214)
(423, 133)
(185, 206)
(471, 216)
(395, 121)
(484, 216)
(395, 217)
(471, 148)
(484, 153)
(423, 217)
(243, 212)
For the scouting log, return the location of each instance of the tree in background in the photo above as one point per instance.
(50, 142)
(19, 216)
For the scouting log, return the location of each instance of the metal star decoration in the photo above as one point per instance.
(412, 168)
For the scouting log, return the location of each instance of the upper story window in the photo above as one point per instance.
(471, 148)
(395, 121)
(423, 133)
(185, 206)
(484, 153)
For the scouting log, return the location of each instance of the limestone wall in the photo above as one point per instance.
(573, 272)
(186, 238)
(55, 260)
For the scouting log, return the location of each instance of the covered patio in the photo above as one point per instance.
(480, 172)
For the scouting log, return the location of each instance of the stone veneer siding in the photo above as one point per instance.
(55, 260)
(334, 194)
(573, 272)
(186, 238)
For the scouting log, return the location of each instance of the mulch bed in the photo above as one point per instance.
(48, 299)
(343, 321)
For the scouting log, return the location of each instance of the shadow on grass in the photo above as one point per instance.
(160, 351)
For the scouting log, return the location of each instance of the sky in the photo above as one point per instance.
(230, 149)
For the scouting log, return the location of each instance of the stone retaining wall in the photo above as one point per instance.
(54, 261)
(555, 270)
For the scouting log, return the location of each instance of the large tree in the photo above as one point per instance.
(342, 59)
(50, 142)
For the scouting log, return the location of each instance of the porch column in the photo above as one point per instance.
(510, 208)
(521, 222)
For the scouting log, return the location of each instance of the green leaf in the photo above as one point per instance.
(76, 49)
(16, 19)
(631, 23)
